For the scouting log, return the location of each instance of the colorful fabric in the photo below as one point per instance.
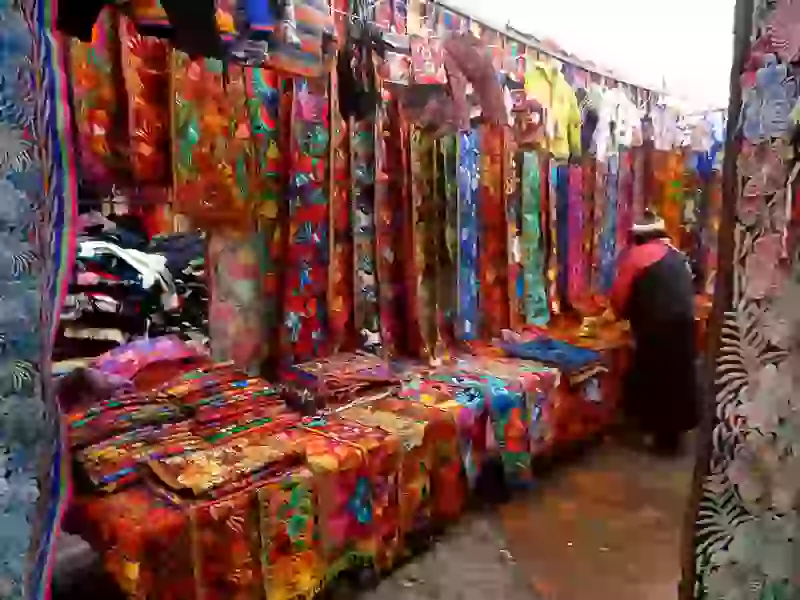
(549, 179)
(625, 209)
(600, 209)
(492, 236)
(304, 329)
(211, 147)
(587, 246)
(363, 189)
(424, 244)
(537, 311)
(340, 275)
(559, 178)
(466, 321)
(608, 230)
(98, 100)
(128, 360)
(235, 312)
(145, 67)
(576, 259)
(512, 169)
(264, 90)
(638, 199)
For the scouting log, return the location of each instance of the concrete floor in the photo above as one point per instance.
(608, 526)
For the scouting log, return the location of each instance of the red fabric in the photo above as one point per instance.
(631, 264)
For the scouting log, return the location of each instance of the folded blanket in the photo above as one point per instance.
(568, 358)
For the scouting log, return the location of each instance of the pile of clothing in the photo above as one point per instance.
(126, 287)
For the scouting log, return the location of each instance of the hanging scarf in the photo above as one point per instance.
(537, 311)
(576, 271)
(513, 201)
(467, 278)
(264, 90)
(608, 233)
(304, 329)
(493, 233)
(600, 208)
(625, 198)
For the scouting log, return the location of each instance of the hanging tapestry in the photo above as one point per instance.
(37, 240)
(512, 170)
(211, 149)
(467, 277)
(608, 230)
(100, 107)
(625, 208)
(747, 526)
(424, 242)
(589, 179)
(576, 259)
(264, 90)
(549, 179)
(304, 329)
(235, 313)
(362, 190)
(444, 206)
(672, 199)
(537, 311)
(559, 177)
(639, 200)
(492, 236)
(145, 67)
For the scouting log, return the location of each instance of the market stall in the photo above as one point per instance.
(401, 268)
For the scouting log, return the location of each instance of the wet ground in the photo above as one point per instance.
(606, 526)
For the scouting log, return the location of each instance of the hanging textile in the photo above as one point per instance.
(304, 328)
(362, 181)
(589, 182)
(424, 241)
(211, 149)
(608, 231)
(100, 107)
(466, 320)
(38, 178)
(235, 312)
(341, 287)
(492, 236)
(549, 179)
(559, 176)
(625, 208)
(145, 66)
(264, 91)
(513, 204)
(600, 208)
(638, 201)
(576, 259)
(537, 311)
(672, 198)
(446, 225)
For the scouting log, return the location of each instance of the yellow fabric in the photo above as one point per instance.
(546, 84)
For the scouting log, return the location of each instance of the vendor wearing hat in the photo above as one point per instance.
(654, 292)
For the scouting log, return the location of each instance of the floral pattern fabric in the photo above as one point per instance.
(537, 311)
(608, 231)
(304, 332)
(747, 524)
(37, 179)
(576, 259)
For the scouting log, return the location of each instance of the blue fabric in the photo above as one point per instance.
(608, 234)
(566, 357)
(467, 282)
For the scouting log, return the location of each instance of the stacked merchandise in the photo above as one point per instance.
(124, 287)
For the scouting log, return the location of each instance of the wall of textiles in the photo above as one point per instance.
(335, 234)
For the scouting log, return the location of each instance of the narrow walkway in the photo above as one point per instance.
(605, 527)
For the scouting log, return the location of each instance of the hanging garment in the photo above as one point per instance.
(145, 65)
(512, 169)
(467, 278)
(99, 99)
(546, 84)
(608, 233)
(492, 236)
(537, 311)
(559, 175)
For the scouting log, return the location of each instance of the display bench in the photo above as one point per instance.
(211, 483)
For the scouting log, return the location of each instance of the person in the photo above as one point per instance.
(654, 292)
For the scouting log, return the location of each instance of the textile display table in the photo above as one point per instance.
(214, 484)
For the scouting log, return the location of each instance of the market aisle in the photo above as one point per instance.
(607, 527)
(470, 562)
